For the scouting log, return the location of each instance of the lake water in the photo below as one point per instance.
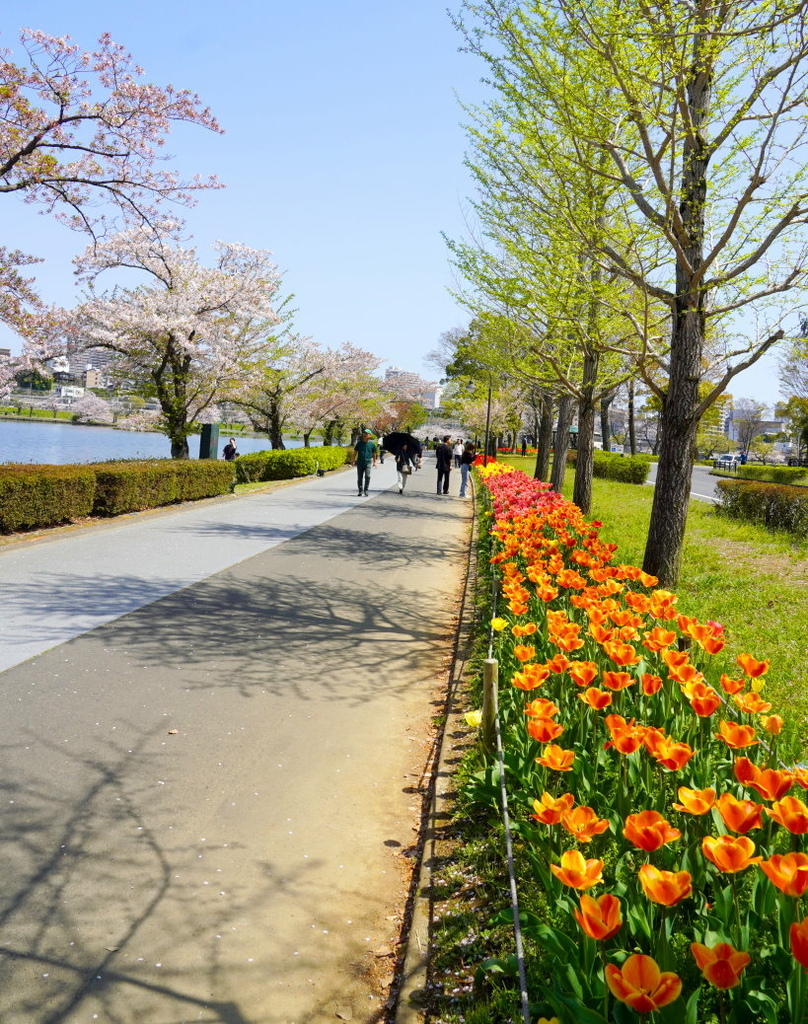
(63, 443)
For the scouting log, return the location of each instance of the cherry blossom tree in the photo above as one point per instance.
(92, 409)
(187, 334)
(342, 391)
(7, 381)
(80, 135)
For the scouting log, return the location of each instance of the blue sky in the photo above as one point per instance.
(343, 154)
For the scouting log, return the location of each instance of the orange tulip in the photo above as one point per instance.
(712, 644)
(531, 677)
(665, 887)
(772, 784)
(542, 730)
(558, 663)
(752, 703)
(549, 808)
(582, 672)
(541, 708)
(650, 684)
(658, 638)
(641, 984)
(739, 815)
(736, 736)
(648, 830)
(621, 654)
(528, 629)
(600, 634)
(617, 680)
(556, 758)
(731, 686)
(662, 604)
(577, 872)
(788, 871)
(729, 853)
(746, 772)
(798, 934)
(675, 659)
(791, 813)
(626, 740)
(721, 964)
(695, 801)
(672, 756)
(595, 698)
(600, 918)
(583, 823)
(523, 652)
(772, 724)
(751, 667)
(704, 700)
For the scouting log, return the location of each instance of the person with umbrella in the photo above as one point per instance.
(364, 459)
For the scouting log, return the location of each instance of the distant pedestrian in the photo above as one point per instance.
(443, 460)
(524, 445)
(364, 458)
(229, 450)
(457, 451)
(466, 462)
(404, 466)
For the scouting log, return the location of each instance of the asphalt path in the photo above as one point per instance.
(702, 484)
(214, 725)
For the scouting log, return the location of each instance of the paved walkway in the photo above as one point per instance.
(215, 719)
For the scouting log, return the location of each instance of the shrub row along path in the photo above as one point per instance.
(211, 757)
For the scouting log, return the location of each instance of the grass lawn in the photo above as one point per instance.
(752, 581)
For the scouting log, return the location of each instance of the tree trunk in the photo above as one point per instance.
(679, 422)
(605, 422)
(632, 427)
(179, 448)
(585, 459)
(566, 406)
(544, 439)
(306, 437)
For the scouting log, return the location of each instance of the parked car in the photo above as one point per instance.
(728, 461)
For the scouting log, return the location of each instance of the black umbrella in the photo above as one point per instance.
(394, 442)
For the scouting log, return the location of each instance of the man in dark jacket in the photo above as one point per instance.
(443, 459)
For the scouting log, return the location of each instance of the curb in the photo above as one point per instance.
(455, 738)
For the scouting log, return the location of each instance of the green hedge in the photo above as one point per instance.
(627, 469)
(773, 474)
(775, 506)
(288, 464)
(35, 496)
(134, 486)
(32, 496)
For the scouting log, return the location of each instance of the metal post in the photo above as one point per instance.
(488, 724)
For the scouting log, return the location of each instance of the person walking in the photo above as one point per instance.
(466, 462)
(443, 460)
(404, 466)
(457, 451)
(364, 459)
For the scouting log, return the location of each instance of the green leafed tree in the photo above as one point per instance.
(693, 115)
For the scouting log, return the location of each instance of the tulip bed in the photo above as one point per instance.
(657, 803)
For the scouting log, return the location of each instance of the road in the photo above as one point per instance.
(211, 782)
(702, 484)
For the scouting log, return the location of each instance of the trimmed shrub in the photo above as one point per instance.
(288, 464)
(773, 474)
(137, 485)
(775, 506)
(627, 469)
(33, 495)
